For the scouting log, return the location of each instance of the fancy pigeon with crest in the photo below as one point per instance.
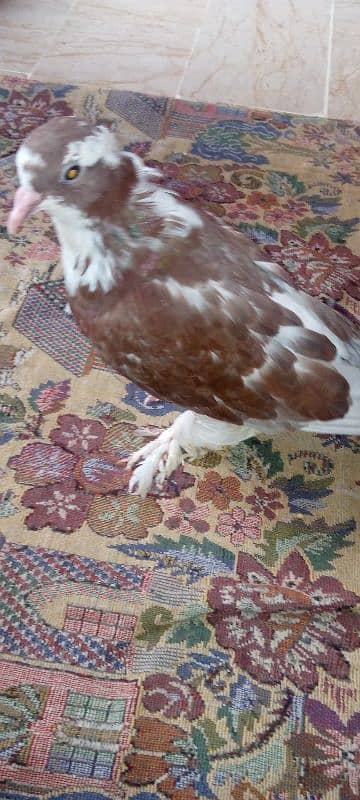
(183, 305)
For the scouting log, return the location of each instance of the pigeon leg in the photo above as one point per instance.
(159, 458)
(189, 436)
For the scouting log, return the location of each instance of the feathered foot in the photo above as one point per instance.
(159, 458)
(187, 438)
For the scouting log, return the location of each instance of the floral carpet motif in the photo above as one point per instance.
(204, 642)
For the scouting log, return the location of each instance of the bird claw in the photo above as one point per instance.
(141, 481)
(158, 460)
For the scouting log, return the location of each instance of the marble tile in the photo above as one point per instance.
(132, 44)
(19, 51)
(27, 28)
(191, 11)
(344, 84)
(37, 15)
(262, 53)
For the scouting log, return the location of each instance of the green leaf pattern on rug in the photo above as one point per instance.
(12, 409)
(269, 758)
(285, 185)
(153, 624)
(336, 229)
(320, 542)
(212, 736)
(190, 632)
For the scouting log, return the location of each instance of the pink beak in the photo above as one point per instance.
(25, 201)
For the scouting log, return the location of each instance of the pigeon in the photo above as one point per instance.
(183, 305)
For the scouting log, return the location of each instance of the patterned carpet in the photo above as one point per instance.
(202, 643)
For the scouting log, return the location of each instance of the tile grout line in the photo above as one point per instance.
(53, 38)
(329, 60)
(192, 50)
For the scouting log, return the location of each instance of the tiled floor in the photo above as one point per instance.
(292, 55)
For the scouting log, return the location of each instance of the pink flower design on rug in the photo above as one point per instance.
(284, 625)
(218, 489)
(40, 464)
(184, 515)
(62, 506)
(317, 266)
(49, 396)
(78, 435)
(237, 525)
(82, 475)
(264, 502)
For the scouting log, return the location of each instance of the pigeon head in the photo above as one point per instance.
(66, 164)
(95, 193)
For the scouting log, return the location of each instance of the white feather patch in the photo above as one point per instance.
(86, 261)
(181, 219)
(225, 294)
(298, 302)
(193, 295)
(26, 160)
(98, 146)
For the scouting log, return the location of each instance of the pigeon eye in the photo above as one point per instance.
(72, 172)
